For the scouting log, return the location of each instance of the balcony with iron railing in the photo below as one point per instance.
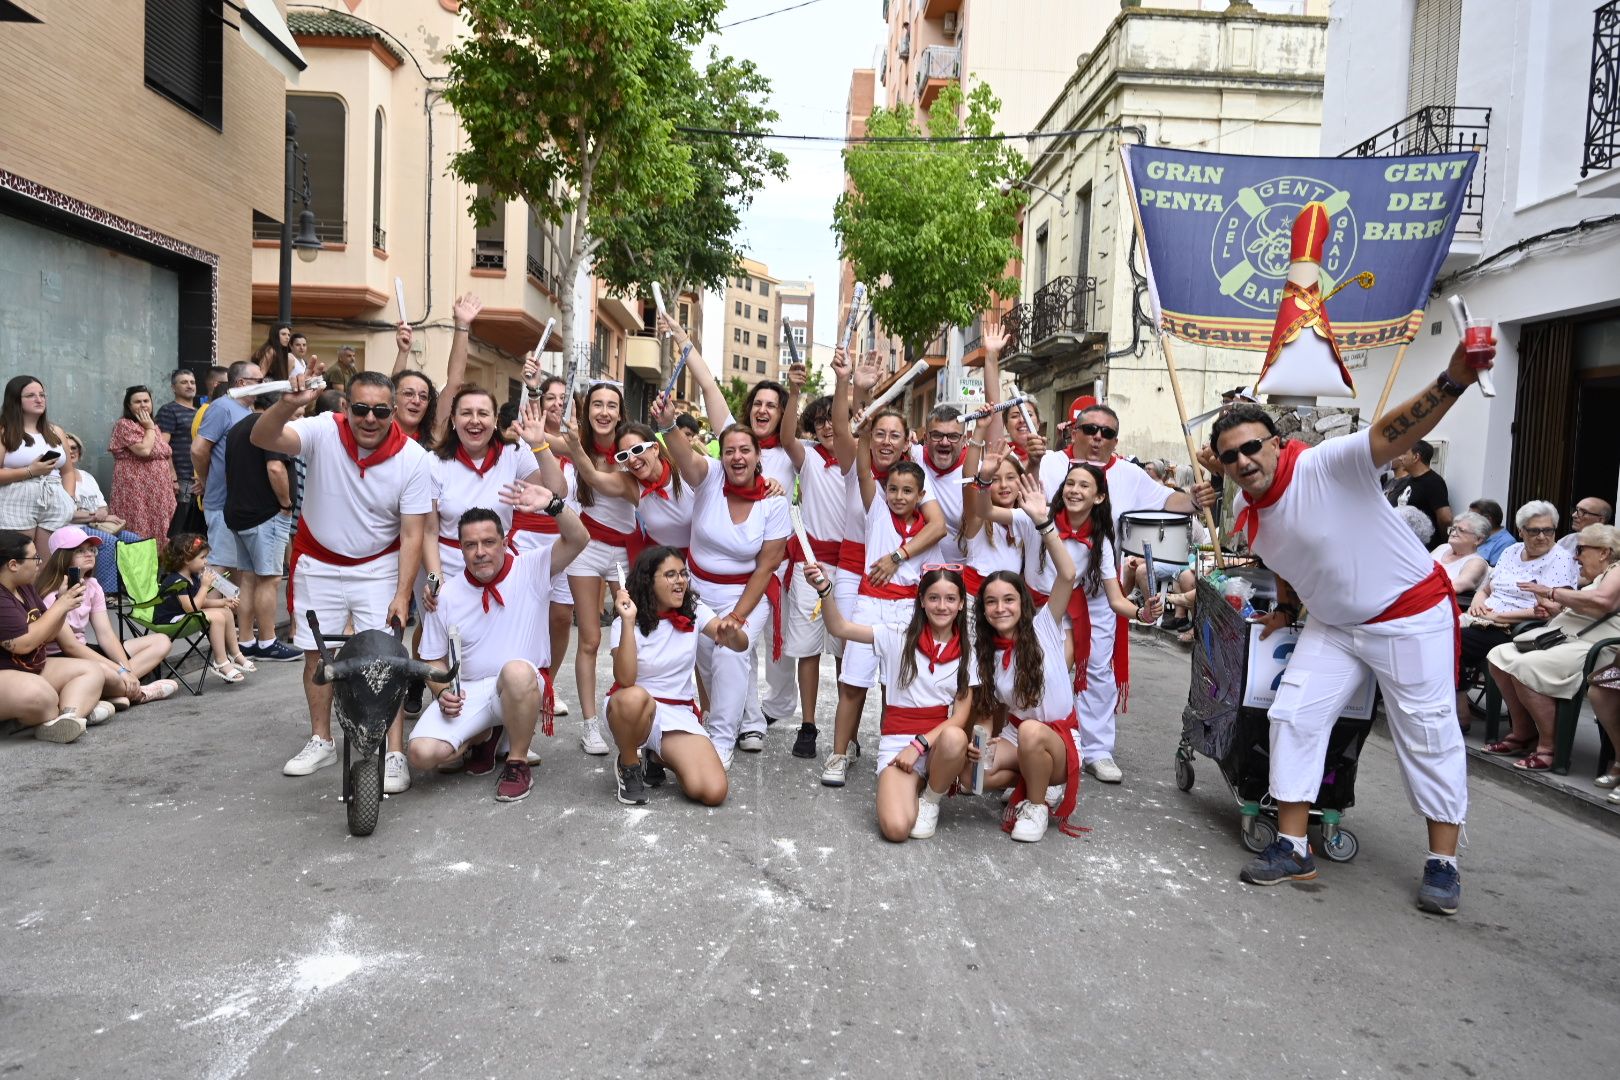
(1016, 324)
(1602, 147)
(489, 255)
(1061, 313)
(379, 237)
(1440, 129)
(937, 66)
(329, 232)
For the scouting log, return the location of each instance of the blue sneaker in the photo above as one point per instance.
(1277, 864)
(1441, 893)
(251, 650)
(278, 651)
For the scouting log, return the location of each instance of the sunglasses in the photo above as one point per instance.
(635, 451)
(1089, 430)
(953, 567)
(1248, 450)
(360, 412)
(1581, 549)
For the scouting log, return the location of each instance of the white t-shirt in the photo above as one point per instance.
(946, 488)
(1057, 685)
(774, 462)
(722, 546)
(823, 496)
(1002, 547)
(350, 515)
(1557, 570)
(1043, 577)
(1335, 538)
(669, 520)
(666, 659)
(930, 689)
(520, 629)
(457, 489)
(882, 538)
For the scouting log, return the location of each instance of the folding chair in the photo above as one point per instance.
(138, 576)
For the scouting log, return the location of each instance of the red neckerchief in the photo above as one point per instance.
(907, 531)
(491, 456)
(1248, 519)
(928, 460)
(769, 442)
(752, 493)
(489, 586)
(937, 653)
(880, 476)
(827, 456)
(1021, 453)
(658, 487)
(1080, 533)
(393, 442)
(604, 452)
(1005, 646)
(681, 623)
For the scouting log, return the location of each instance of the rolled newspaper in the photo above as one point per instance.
(854, 315)
(893, 391)
(804, 537)
(529, 392)
(991, 410)
(1029, 420)
(454, 634)
(981, 739)
(274, 386)
(399, 298)
(658, 300)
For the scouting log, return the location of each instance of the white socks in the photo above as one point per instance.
(265, 644)
(929, 795)
(1451, 859)
(1301, 847)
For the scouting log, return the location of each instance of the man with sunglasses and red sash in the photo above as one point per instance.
(367, 499)
(1319, 520)
(1093, 437)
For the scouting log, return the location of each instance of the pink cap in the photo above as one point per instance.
(70, 536)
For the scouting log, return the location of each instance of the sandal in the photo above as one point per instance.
(1609, 779)
(1510, 745)
(226, 671)
(1540, 761)
(243, 664)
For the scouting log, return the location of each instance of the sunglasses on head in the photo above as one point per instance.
(1106, 432)
(953, 567)
(1248, 449)
(361, 411)
(634, 451)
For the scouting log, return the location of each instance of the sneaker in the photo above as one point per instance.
(559, 708)
(414, 693)
(1277, 864)
(1104, 769)
(804, 744)
(927, 820)
(590, 740)
(835, 771)
(396, 773)
(278, 652)
(244, 664)
(532, 757)
(726, 757)
(64, 729)
(481, 756)
(632, 785)
(652, 769)
(159, 690)
(1031, 823)
(318, 753)
(1054, 795)
(102, 713)
(1441, 892)
(751, 742)
(515, 782)
(251, 651)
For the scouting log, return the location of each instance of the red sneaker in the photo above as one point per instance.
(516, 780)
(481, 758)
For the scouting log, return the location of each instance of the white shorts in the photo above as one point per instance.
(889, 747)
(860, 662)
(598, 560)
(340, 595)
(669, 718)
(846, 590)
(804, 633)
(480, 711)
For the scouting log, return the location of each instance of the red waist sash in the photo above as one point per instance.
(1432, 590)
(852, 557)
(304, 543)
(632, 542)
(903, 720)
(773, 593)
(683, 702)
(523, 521)
(890, 591)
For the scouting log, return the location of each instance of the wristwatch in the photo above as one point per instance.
(1449, 386)
(896, 557)
(554, 507)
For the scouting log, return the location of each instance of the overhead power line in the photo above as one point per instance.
(768, 14)
(1130, 129)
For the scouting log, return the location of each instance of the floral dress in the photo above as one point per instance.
(142, 491)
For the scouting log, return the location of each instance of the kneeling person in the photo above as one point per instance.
(501, 605)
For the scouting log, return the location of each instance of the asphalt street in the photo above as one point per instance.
(171, 906)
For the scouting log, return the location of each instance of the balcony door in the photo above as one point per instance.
(1431, 79)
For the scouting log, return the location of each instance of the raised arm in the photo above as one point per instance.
(618, 484)
(465, 310)
(1398, 430)
(402, 346)
(693, 465)
(624, 653)
(270, 431)
(1032, 501)
(838, 626)
(790, 417)
(844, 446)
(714, 402)
(532, 430)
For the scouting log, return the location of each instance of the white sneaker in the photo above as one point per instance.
(751, 742)
(927, 820)
(726, 757)
(318, 753)
(396, 773)
(102, 713)
(64, 729)
(533, 757)
(1031, 823)
(1054, 795)
(835, 771)
(1104, 769)
(559, 707)
(590, 740)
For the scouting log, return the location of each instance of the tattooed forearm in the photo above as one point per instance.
(1424, 405)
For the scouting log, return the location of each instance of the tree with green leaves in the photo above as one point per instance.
(927, 225)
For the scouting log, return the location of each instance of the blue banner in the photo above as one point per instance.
(1216, 229)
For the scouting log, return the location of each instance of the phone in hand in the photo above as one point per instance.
(50, 455)
(73, 576)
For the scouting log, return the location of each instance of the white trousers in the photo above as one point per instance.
(1094, 706)
(1413, 659)
(727, 674)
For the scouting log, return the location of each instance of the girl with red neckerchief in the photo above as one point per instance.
(929, 699)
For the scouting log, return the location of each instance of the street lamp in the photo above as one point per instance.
(1007, 186)
(306, 243)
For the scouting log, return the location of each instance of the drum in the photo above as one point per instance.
(1169, 535)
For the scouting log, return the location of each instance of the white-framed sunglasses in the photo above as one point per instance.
(624, 456)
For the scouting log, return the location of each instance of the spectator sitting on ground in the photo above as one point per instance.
(1588, 511)
(56, 696)
(1499, 539)
(1423, 488)
(259, 517)
(174, 421)
(1503, 601)
(143, 479)
(124, 665)
(90, 512)
(1460, 554)
(1418, 522)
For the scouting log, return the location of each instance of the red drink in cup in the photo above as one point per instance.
(1477, 341)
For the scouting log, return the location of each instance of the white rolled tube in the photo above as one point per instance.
(399, 298)
(991, 410)
(274, 386)
(658, 300)
(854, 314)
(917, 368)
(804, 537)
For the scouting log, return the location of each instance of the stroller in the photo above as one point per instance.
(369, 676)
(1237, 737)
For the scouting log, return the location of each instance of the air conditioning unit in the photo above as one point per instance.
(950, 24)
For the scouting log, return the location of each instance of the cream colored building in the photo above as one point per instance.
(796, 315)
(1240, 82)
(749, 343)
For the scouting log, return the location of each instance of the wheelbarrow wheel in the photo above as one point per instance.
(1341, 846)
(1185, 775)
(365, 795)
(1258, 833)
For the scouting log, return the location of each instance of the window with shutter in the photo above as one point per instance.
(1431, 79)
(185, 55)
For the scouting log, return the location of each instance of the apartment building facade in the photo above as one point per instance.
(751, 331)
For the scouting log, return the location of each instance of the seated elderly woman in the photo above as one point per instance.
(1502, 602)
(1460, 553)
(1533, 682)
(1418, 522)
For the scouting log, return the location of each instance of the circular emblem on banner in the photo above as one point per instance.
(1250, 252)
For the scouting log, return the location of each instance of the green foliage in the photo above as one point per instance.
(735, 392)
(930, 219)
(814, 386)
